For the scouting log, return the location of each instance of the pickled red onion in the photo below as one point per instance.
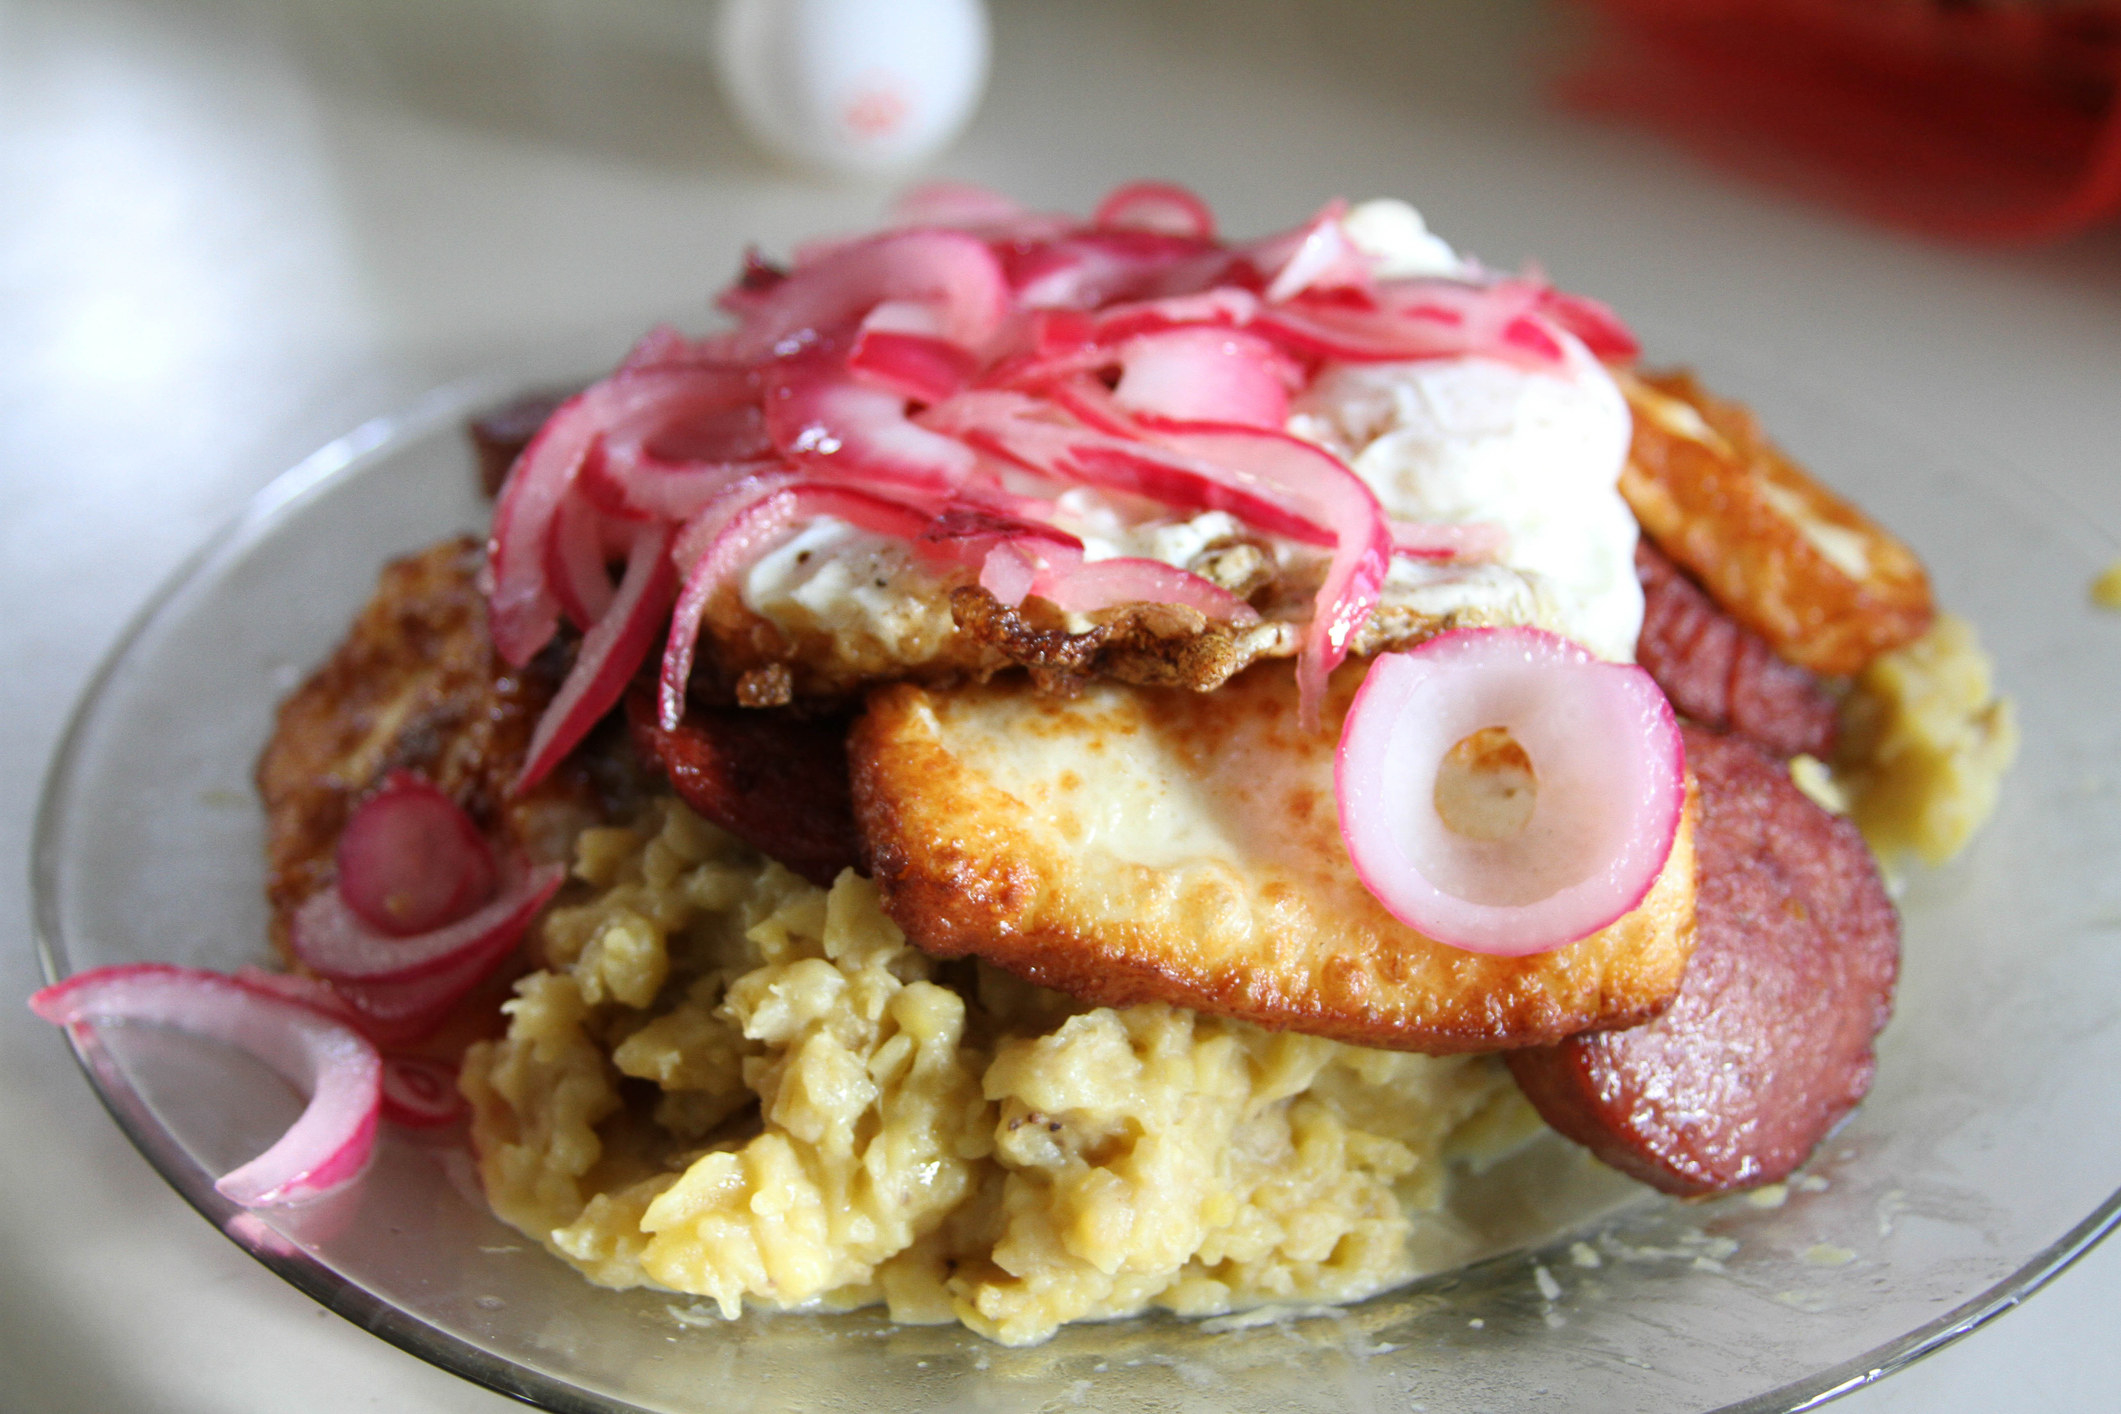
(1017, 569)
(1089, 268)
(410, 860)
(574, 560)
(912, 365)
(331, 939)
(1593, 323)
(630, 406)
(609, 653)
(299, 987)
(1109, 449)
(420, 1092)
(926, 368)
(330, 1144)
(952, 271)
(1611, 772)
(656, 490)
(1443, 540)
(1323, 258)
(1161, 207)
(389, 1014)
(397, 1013)
(1329, 493)
(1207, 375)
(821, 418)
(1419, 318)
(416, 1091)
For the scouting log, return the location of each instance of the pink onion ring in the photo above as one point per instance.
(1444, 540)
(574, 559)
(1061, 576)
(387, 1013)
(1162, 207)
(411, 861)
(728, 532)
(609, 654)
(1111, 450)
(656, 490)
(909, 363)
(950, 270)
(1417, 319)
(1207, 375)
(1330, 493)
(331, 939)
(823, 420)
(912, 366)
(1323, 258)
(665, 348)
(1088, 268)
(523, 610)
(298, 987)
(420, 1093)
(1593, 322)
(399, 1013)
(1610, 768)
(1223, 307)
(330, 1144)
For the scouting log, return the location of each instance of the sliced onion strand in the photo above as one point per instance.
(337, 1067)
(1607, 758)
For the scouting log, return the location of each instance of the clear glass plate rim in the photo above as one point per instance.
(377, 439)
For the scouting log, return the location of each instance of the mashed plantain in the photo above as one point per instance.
(1926, 742)
(731, 1083)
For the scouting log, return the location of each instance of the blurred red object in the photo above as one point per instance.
(1994, 120)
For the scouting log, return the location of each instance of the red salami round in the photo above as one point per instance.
(775, 782)
(1721, 673)
(1768, 1044)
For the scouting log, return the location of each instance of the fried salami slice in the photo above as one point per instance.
(1824, 584)
(775, 782)
(1769, 1042)
(1155, 845)
(1722, 674)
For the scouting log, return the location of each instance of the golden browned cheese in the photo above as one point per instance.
(1131, 845)
(1823, 583)
(417, 685)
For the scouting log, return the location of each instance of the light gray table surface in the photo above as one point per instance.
(230, 231)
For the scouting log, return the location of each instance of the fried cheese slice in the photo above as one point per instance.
(1826, 586)
(1134, 844)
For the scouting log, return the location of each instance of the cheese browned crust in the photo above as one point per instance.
(1826, 586)
(943, 629)
(1130, 845)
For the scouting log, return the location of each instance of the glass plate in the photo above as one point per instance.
(1986, 1158)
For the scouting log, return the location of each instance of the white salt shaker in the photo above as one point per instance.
(853, 86)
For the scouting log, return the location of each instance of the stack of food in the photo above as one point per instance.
(1062, 767)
